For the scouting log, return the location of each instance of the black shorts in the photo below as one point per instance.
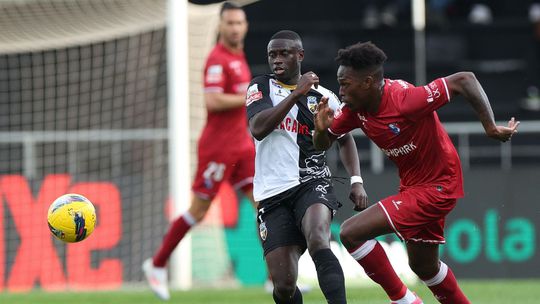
(280, 217)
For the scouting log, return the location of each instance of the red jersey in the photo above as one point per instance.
(226, 72)
(408, 130)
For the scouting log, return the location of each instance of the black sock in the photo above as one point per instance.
(330, 274)
(296, 299)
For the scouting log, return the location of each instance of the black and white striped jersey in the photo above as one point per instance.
(286, 157)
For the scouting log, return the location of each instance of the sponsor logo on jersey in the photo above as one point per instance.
(214, 73)
(236, 66)
(312, 103)
(253, 94)
(293, 125)
(394, 128)
(403, 150)
(281, 93)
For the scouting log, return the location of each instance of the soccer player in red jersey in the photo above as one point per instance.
(225, 148)
(402, 120)
(292, 180)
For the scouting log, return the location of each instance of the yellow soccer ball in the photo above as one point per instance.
(71, 218)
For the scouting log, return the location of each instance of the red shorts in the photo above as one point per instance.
(219, 164)
(417, 215)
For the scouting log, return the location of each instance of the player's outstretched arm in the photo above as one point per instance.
(322, 139)
(266, 121)
(466, 84)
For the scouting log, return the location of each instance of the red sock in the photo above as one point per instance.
(176, 233)
(371, 256)
(445, 287)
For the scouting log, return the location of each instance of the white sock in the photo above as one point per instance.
(409, 297)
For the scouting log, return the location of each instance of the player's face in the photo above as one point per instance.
(353, 90)
(284, 57)
(233, 27)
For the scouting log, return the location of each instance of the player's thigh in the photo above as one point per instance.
(365, 225)
(423, 258)
(316, 226)
(315, 192)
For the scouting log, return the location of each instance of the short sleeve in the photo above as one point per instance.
(344, 121)
(258, 96)
(418, 102)
(214, 75)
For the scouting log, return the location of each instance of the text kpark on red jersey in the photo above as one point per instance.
(403, 150)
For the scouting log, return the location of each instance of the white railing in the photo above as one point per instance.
(463, 131)
(29, 139)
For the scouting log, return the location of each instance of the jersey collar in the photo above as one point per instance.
(286, 86)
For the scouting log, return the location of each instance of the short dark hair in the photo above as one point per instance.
(286, 34)
(229, 6)
(361, 56)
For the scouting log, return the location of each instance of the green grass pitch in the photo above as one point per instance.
(479, 292)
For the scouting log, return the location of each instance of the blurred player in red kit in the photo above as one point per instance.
(225, 148)
(402, 120)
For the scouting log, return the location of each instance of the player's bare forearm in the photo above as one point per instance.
(216, 102)
(349, 155)
(322, 140)
(264, 122)
(466, 84)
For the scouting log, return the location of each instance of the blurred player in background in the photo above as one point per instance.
(292, 180)
(225, 148)
(402, 120)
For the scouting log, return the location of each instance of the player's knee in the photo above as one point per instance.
(199, 216)
(198, 209)
(284, 289)
(317, 244)
(422, 269)
(317, 239)
(198, 213)
(346, 235)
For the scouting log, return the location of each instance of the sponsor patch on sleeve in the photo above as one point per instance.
(253, 94)
(214, 74)
(433, 91)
